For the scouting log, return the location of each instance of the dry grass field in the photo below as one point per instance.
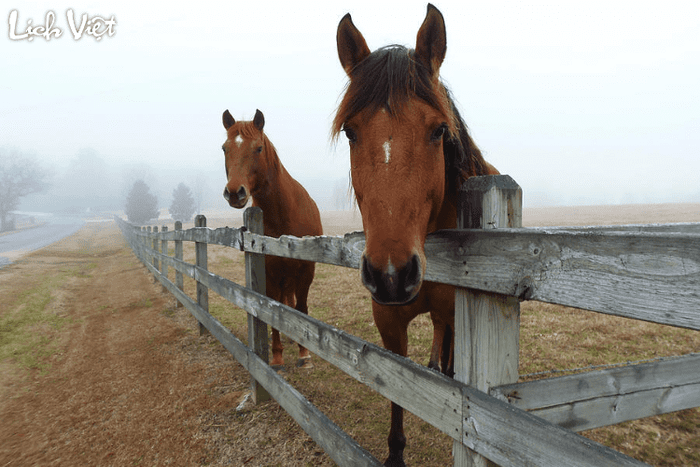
(100, 368)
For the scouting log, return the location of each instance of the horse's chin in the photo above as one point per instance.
(407, 302)
(238, 204)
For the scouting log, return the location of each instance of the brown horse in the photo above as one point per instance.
(254, 170)
(409, 154)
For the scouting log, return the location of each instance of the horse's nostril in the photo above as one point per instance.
(410, 276)
(368, 275)
(241, 193)
(227, 195)
(392, 286)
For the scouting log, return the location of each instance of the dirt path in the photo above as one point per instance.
(129, 381)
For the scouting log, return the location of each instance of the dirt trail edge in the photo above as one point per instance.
(129, 381)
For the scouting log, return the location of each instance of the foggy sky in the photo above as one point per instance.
(580, 103)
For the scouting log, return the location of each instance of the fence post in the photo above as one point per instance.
(200, 253)
(487, 325)
(145, 240)
(164, 250)
(178, 255)
(156, 248)
(255, 280)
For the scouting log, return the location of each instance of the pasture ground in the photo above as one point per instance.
(98, 366)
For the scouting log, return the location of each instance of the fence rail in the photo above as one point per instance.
(643, 272)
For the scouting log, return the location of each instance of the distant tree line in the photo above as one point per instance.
(142, 206)
(22, 175)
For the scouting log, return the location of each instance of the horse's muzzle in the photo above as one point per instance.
(238, 199)
(393, 286)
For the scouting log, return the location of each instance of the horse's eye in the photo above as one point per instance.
(223, 149)
(350, 134)
(439, 132)
(259, 149)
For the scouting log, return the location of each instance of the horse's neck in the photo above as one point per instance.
(273, 179)
(447, 217)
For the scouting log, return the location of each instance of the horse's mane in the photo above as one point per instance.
(387, 79)
(247, 129)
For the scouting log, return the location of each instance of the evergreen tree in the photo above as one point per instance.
(141, 205)
(182, 208)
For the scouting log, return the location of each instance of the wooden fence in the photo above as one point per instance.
(645, 272)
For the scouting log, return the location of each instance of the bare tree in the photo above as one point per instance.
(19, 176)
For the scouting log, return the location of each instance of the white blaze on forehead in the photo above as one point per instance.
(387, 151)
(238, 140)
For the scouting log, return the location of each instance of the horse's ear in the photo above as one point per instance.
(228, 119)
(352, 47)
(259, 120)
(431, 42)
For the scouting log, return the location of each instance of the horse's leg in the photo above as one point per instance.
(277, 349)
(438, 337)
(397, 439)
(276, 292)
(441, 302)
(302, 293)
(448, 352)
(392, 323)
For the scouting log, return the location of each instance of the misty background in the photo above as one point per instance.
(581, 103)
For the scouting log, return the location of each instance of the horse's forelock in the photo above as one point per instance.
(387, 79)
(246, 129)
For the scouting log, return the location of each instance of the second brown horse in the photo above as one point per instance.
(253, 169)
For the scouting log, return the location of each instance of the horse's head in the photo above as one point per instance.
(396, 114)
(243, 150)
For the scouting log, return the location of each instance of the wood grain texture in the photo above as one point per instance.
(648, 276)
(178, 255)
(255, 280)
(487, 325)
(607, 397)
(201, 260)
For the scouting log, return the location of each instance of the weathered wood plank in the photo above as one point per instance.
(649, 276)
(603, 411)
(178, 255)
(255, 280)
(200, 251)
(676, 227)
(511, 439)
(155, 246)
(224, 236)
(164, 250)
(606, 397)
(341, 251)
